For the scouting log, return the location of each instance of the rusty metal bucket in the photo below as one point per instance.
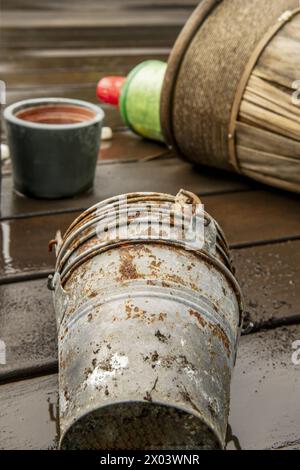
(148, 326)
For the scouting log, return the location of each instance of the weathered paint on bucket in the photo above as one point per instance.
(147, 332)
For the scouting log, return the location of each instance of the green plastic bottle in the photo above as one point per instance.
(138, 97)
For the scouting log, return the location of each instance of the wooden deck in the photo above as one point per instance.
(44, 55)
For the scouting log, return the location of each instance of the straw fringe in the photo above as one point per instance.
(268, 133)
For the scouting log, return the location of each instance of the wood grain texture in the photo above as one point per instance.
(22, 69)
(27, 414)
(103, 23)
(112, 178)
(270, 280)
(250, 217)
(264, 393)
(27, 325)
(24, 243)
(247, 218)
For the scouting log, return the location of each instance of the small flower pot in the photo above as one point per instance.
(54, 144)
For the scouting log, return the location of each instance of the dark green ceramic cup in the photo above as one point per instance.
(54, 145)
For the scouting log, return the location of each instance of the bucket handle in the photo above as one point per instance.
(60, 297)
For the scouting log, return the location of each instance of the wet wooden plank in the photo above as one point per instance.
(24, 243)
(288, 445)
(269, 277)
(27, 325)
(250, 217)
(94, 5)
(265, 412)
(270, 280)
(97, 36)
(263, 221)
(35, 68)
(118, 25)
(264, 400)
(165, 175)
(69, 14)
(27, 414)
(127, 146)
(70, 17)
(124, 146)
(54, 60)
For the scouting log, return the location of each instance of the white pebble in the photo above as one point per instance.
(106, 133)
(4, 151)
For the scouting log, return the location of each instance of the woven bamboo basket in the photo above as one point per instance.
(231, 94)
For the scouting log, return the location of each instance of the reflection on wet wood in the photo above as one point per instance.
(113, 23)
(27, 325)
(269, 277)
(265, 412)
(28, 414)
(264, 400)
(24, 241)
(250, 217)
(164, 175)
(126, 145)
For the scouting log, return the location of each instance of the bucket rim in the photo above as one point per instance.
(113, 199)
(11, 110)
(216, 433)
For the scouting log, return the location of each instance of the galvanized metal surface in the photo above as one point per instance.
(147, 335)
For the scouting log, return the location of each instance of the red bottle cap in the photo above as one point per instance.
(109, 89)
